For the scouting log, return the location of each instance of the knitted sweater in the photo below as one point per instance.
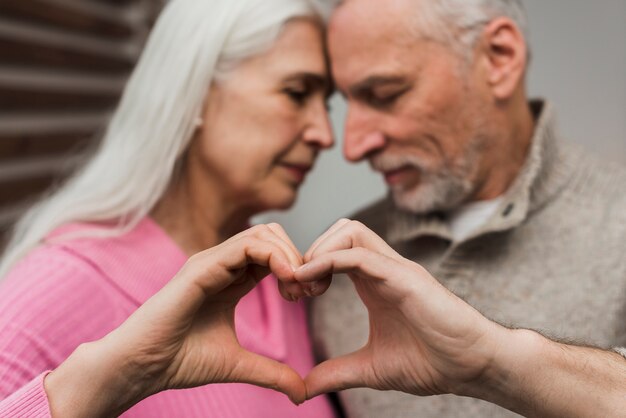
(64, 294)
(552, 258)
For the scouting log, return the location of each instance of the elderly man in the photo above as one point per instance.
(484, 194)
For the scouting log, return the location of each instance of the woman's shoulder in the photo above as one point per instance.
(53, 300)
(137, 263)
(84, 286)
(53, 284)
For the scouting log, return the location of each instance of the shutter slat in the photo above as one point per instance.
(63, 66)
(29, 168)
(18, 191)
(20, 180)
(8, 215)
(25, 53)
(15, 100)
(29, 78)
(65, 17)
(115, 2)
(40, 145)
(38, 124)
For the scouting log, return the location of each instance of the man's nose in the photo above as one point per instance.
(361, 137)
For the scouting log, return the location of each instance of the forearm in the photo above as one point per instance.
(91, 383)
(537, 377)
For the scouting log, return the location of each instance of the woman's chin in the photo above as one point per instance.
(281, 200)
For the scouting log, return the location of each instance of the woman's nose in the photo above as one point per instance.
(319, 131)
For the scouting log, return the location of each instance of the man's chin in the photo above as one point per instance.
(411, 204)
(425, 199)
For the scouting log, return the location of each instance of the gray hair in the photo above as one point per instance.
(459, 23)
(192, 43)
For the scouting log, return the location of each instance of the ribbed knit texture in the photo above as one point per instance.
(28, 401)
(552, 258)
(67, 293)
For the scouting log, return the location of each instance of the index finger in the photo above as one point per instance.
(341, 222)
(294, 255)
(351, 234)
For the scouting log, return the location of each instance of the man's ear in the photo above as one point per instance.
(505, 57)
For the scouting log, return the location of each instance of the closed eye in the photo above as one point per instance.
(298, 96)
(381, 100)
(380, 91)
(300, 87)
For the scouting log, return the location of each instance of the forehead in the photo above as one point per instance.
(300, 47)
(368, 37)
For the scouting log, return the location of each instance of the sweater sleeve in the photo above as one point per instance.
(50, 303)
(29, 401)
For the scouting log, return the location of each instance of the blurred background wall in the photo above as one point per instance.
(63, 64)
(579, 63)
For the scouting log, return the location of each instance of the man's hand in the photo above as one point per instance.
(426, 341)
(423, 339)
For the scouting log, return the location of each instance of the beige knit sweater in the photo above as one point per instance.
(552, 259)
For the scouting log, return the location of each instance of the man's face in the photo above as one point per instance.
(414, 108)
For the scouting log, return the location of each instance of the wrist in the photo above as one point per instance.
(507, 354)
(518, 353)
(92, 383)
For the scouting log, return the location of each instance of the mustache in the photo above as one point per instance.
(384, 163)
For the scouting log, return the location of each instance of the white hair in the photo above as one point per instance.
(458, 23)
(193, 42)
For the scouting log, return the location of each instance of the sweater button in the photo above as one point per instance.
(507, 211)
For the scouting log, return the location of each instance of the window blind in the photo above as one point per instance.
(63, 65)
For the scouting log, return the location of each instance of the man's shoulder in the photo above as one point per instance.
(595, 191)
(374, 215)
(597, 178)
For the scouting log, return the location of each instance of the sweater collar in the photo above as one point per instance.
(139, 262)
(543, 174)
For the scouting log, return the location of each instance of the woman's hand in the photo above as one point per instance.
(423, 339)
(184, 336)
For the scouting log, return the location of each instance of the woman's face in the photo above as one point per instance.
(265, 124)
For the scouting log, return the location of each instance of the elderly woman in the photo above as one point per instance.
(221, 120)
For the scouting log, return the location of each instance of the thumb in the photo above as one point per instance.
(339, 373)
(262, 371)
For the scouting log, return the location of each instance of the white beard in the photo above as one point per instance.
(435, 192)
(439, 188)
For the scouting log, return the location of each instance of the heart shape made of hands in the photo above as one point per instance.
(184, 336)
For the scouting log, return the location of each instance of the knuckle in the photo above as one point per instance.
(251, 243)
(260, 230)
(342, 222)
(275, 226)
(357, 225)
(193, 259)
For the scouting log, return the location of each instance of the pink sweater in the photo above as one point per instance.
(64, 294)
